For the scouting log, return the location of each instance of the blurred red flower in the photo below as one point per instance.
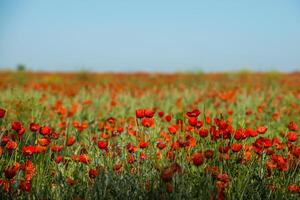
(236, 147)
(291, 136)
(197, 159)
(71, 141)
(2, 112)
(102, 145)
(147, 122)
(12, 170)
(16, 126)
(45, 130)
(293, 126)
(11, 145)
(34, 127)
(25, 185)
(140, 113)
(149, 113)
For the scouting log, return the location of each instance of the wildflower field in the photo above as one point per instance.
(149, 136)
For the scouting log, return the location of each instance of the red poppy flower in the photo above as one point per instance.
(293, 126)
(149, 113)
(168, 118)
(93, 173)
(197, 159)
(11, 145)
(34, 127)
(84, 159)
(292, 137)
(199, 124)
(193, 121)
(294, 188)
(161, 114)
(110, 120)
(203, 132)
(16, 126)
(21, 131)
(11, 171)
(75, 158)
(281, 162)
(28, 169)
(236, 147)
(194, 113)
(143, 144)
(262, 143)
(59, 159)
(5, 139)
(296, 152)
(261, 129)
(44, 141)
(140, 113)
(102, 145)
(208, 120)
(5, 184)
(175, 145)
(161, 145)
(25, 185)
(130, 147)
(55, 135)
(2, 112)
(142, 156)
(173, 129)
(267, 142)
(40, 149)
(251, 132)
(56, 148)
(45, 130)
(29, 150)
(147, 122)
(120, 129)
(71, 141)
(239, 134)
(131, 159)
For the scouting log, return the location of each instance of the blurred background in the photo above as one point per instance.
(152, 36)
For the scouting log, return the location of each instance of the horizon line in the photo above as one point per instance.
(153, 70)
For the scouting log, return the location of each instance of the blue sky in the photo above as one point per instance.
(162, 35)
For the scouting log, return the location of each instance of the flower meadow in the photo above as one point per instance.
(149, 136)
